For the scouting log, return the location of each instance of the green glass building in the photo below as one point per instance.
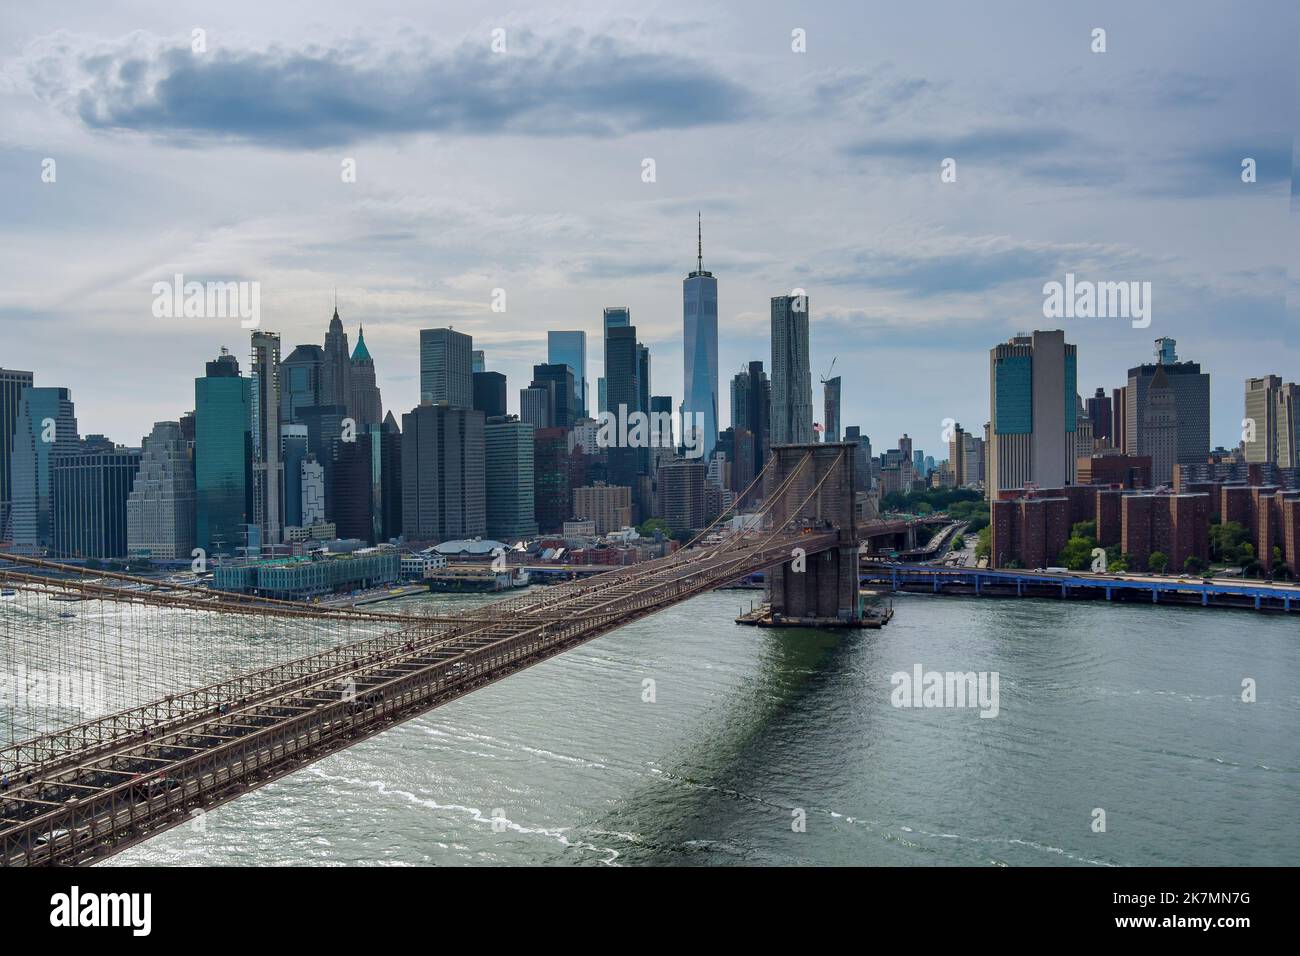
(222, 456)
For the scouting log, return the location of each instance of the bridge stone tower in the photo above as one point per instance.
(820, 587)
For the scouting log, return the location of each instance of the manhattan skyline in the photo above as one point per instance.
(816, 170)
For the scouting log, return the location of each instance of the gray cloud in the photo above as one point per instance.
(551, 86)
(1002, 143)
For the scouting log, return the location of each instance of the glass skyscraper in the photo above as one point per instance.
(12, 384)
(700, 352)
(446, 371)
(622, 369)
(90, 495)
(509, 471)
(46, 426)
(792, 414)
(301, 378)
(1033, 404)
(615, 317)
(570, 348)
(222, 456)
(558, 379)
(268, 469)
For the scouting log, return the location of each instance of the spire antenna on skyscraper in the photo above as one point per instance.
(699, 242)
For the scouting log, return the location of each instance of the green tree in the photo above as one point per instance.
(939, 499)
(1228, 541)
(1077, 553)
(1158, 562)
(1193, 565)
(1118, 564)
(648, 527)
(1084, 529)
(984, 543)
(959, 542)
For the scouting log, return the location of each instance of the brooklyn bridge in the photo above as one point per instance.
(192, 739)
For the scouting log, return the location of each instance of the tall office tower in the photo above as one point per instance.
(509, 466)
(12, 383)
(643, 462)
(682, 494)
(1119, 417)
(477, 361)
(552, 498)
(751, 408)
(324, 430)
(831, 396)
(918, 463)
(46, 427)
(1261, 412)
(490, 393)
(570, 348)
(336, 367)
(293, 452)
(446, 374)
(1288, 426)
(1032, 391)
(700, 349)
(1191, 406)
(442, 473)
(906, 463)
(268, 469)
(1100, 414)
(313, 492)
(390, 479)
(558, 380)
(642, 378)
(957, 457)
(223, 486)
(301, 381)
(1083, 439)
(985, 445)
(536, 405)
(352, 503)
(792, 414)
(615, 317)
(663, 446)
(861, 457)
(90, 491)
(1160, 427)
(623, 390)
(160, 507)
(362, 484)
(366, 406)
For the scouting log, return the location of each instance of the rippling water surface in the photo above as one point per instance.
(1131, 709)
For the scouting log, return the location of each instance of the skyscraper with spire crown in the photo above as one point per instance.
(365, 405)
(336, 374)
(700, 349)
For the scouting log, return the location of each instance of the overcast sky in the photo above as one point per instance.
(522, 171)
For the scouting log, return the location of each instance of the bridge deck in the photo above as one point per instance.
(82, 794)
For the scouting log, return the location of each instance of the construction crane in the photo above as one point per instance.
(827, 377)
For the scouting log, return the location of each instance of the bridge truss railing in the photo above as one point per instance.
(115, 802)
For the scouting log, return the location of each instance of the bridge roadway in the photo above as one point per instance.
(86, 792)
